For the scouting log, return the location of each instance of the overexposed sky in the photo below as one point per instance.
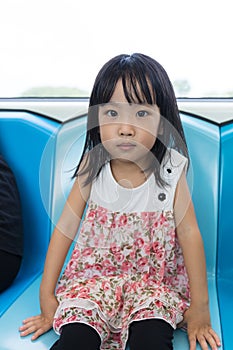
(65, 42)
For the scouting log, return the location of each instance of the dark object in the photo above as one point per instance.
(162, 197)
(11, 228)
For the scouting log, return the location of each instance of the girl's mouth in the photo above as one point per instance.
(126, 146)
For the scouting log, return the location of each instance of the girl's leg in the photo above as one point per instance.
(150, 334)
(9, 267)
(77, 336)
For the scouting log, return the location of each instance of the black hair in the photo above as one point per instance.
(144, 80)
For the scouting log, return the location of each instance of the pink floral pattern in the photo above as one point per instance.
(124, 267)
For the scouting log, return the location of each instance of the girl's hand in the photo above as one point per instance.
(199, 329)
(42, 323)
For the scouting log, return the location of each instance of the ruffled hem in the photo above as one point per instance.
(85, 304)
(111, 338)
(150, 304)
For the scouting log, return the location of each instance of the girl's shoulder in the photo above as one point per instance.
(174, 159)
(173, 164)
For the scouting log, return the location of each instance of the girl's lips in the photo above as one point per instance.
(126, 146)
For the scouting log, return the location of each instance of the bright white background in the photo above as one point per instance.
(63, 43)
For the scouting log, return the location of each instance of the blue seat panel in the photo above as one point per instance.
(23, 137)
(225, 239)
(27, 304)
(203, 140)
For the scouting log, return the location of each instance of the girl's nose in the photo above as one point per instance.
(126, 130)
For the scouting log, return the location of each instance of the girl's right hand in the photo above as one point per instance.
(42, 323)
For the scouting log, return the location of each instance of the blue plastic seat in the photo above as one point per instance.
(42, 152)
(225, 238)
(204, 147)
(23, 137)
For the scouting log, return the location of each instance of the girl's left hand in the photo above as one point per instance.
(199, 328)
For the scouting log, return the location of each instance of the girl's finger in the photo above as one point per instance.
(40, 331)
(33, 318)
(215, 336)
(31, 327)
(208, 338)
(203, 342)
(29, 324)
(192, 342)
(28, 331)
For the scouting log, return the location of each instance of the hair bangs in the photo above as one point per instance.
(137, 88)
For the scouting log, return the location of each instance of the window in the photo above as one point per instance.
(56, 47)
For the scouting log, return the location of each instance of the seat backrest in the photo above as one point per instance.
(42, 153)
(23, 137)
(204, 148)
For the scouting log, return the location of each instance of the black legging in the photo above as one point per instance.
(143, 335)
(9, 267)
(150, 334)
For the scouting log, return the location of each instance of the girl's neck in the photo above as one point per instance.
(128, 174)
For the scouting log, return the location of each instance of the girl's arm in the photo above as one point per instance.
(197, 316)
(62, 237)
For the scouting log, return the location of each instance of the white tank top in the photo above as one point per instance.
(148, 197)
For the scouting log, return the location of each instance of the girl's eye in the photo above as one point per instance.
(112, 113)
(142, 114)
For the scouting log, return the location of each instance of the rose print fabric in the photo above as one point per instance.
(126, 265)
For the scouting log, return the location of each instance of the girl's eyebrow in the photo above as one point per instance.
(110, 103)
(115, 104)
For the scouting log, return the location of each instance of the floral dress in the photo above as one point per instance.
(127, 264)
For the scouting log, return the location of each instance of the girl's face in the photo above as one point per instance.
(128, 131)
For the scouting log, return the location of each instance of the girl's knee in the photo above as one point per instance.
(78, 336)
(151, 334)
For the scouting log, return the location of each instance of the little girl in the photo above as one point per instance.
(137, 270)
